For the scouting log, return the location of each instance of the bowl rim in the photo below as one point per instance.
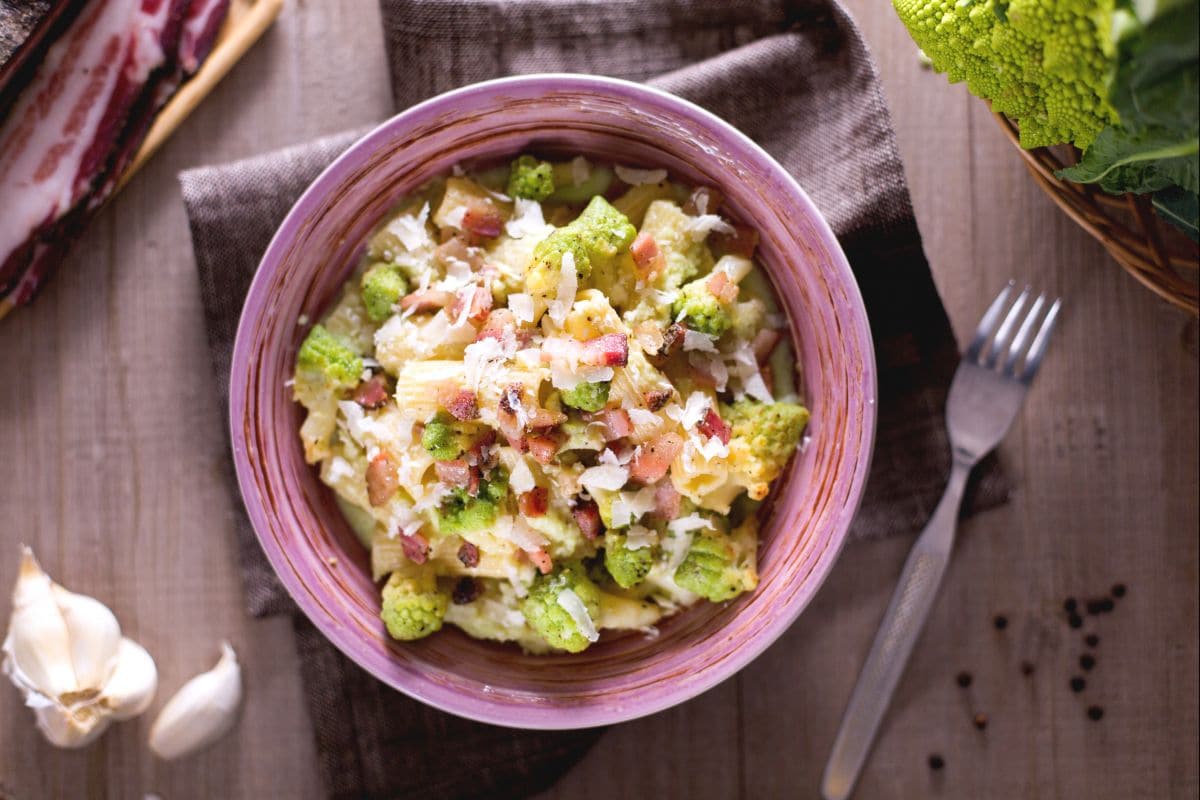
(554, 717)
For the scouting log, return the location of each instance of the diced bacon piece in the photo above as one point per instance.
(456, 473)
(587, 517)
(541, 418)
(474, 479)
(382, 481)
(510, 398)
(542, 447)
(480, 300)
(768, 375)
(482, 219)
(609, 350)
(764, 343)
(415, 546)
(617, 424)
(703, 200)
(672, 338)
(721, 287)
(713, 426)
(498, 321)
(468, 555)
(646, 256)
(456, 248)
(426, 300)
(482, 454)
(666, 501)
(372, 393)
(653, 459)
(535, 502)
(459, 402)
(466, 590)
(200, 26)
(742, 242)
(657, 398)
(542, 559)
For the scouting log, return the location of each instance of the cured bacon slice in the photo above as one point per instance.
(382, 481)
(535, 502)
(79, 122)
(652, 460)
(587, 517)
(459, 402)
(372, 393)
(200, 27)
(713, 426)
(666, 501)
(609, 350)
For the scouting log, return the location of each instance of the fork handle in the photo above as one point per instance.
(901, 626)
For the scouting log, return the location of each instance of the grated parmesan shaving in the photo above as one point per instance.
(640, 417)
(605, 477)
(756, 387)
(700, 227)
(411, 231)
(692, 412)
(637, 177)
(628, 507)
(527, 220)
(568, 285)
(521, 305)
(521, 477)
(692, 522)
(480, 358)
(570, 602)
(454, 218)
(639, 537)
(695, 340)
(713, 366)
(517, 531)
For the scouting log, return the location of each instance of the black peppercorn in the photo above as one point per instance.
(1118, 590)
(1026, 668)
(1087, 661)
(1077, 684)
(1091, 640)
(1001, 622)
(1095, 712)
(936, 762)
(1069, 605)
(1075, 621)
(963, 679)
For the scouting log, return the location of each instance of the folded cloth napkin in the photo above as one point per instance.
(797, 78)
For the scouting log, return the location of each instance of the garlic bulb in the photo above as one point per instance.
(65, 652)
(201, 712)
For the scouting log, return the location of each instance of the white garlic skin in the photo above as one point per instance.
(65, 653)
(202, 711)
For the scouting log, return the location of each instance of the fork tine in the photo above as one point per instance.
(1006, 327)
(1018, 342)
(1040, 342)
(987, 324)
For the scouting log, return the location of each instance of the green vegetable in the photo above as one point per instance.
(595, 237)
(325, 355)
(544, 611)
(719, 567)
(413, 606)
(443, 440)
(462, 513)
(701, 310)
(567, 191)
(1118, 80)
(531, 179)
(763, 437)
(587, 396)
(627, 567)
(382, 286)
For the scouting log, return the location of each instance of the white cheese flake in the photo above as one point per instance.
(641, 417)
(700, 227)
(411, 231)
(692, 522)
(639, 537)
(629, 507)
(517, 531)
(568, 285)
(607, 477)
(521, 477)
(637, 177)
(692, 412)
(454, 217)
(521, 305)
(695, 340)
(570, 602)
(527, 220)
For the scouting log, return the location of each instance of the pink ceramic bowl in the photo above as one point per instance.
(318, 558)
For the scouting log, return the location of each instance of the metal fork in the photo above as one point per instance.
(984, 398)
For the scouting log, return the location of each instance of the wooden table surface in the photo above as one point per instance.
(113, 473)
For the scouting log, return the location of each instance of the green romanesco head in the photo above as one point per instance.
(587, 396)
(718, 567)
(1047, 64)
(596, 236)
(330, 357)
(565, 622)
(700, 309)
(462, 513)
(413, 607)
(382, 287)
(763, 438)
(531, 179)
(627, 567)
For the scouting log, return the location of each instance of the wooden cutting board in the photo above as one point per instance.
(244, 25)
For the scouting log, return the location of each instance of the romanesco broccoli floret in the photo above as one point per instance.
(324, 354)
(587, 396)
(443, 439)
(382, 286)
(462, 513)
(700, 309)
(596, 236)
(763, 438)
(531, 179)
(413, 606)
(719, 566)
(1047, 64)
(562, 607)
(627, 567)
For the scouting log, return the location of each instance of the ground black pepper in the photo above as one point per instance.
(1092, 640)
(963, 679)
(1075, 621)
(1086, 661)
(1095, 607)
(1026, 668)
(1077, 684)
(1001, 622)
(936, 762)
(1118, 590)
(980, 720)
(1069, 605)
(1095, 712)
(1107, 605)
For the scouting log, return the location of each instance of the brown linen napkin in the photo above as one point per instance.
(798, 79)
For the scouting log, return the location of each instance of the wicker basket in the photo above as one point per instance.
(1150, 249)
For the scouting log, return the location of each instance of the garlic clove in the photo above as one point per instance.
(130, 689)
(37, 649)
(202, 711)
(64, 728)
(94, 634)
